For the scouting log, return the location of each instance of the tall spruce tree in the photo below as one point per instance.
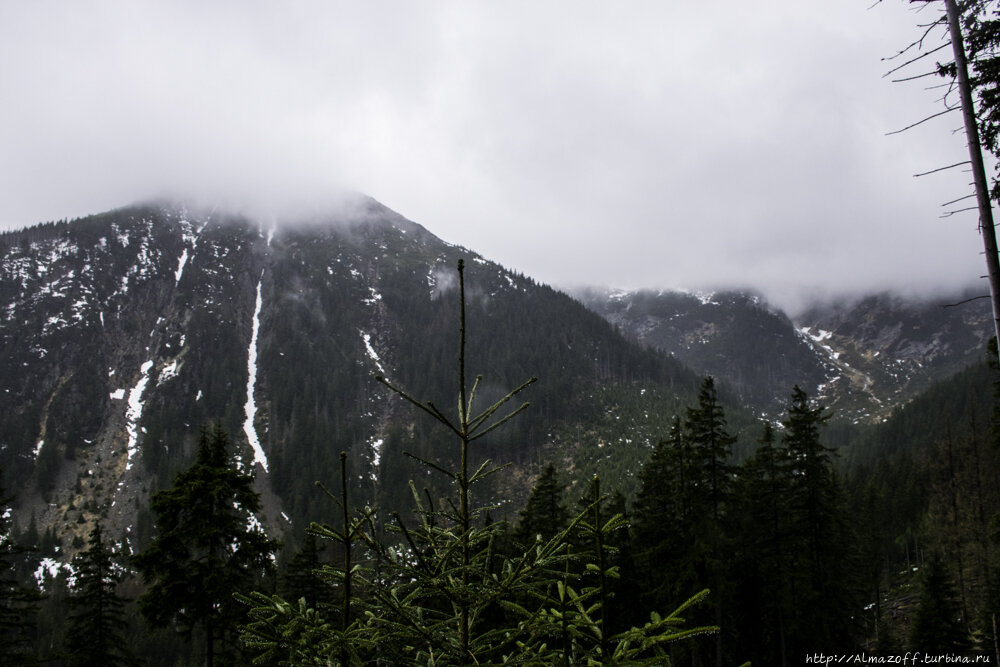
(711, 444)
(663, 520)
(821, 578)
(545, 515)
(763, 538)
(301, 578)
(18, 601)
(936, 627)
(207, 548)
(95, 633)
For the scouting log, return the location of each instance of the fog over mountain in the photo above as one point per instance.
(646, 146)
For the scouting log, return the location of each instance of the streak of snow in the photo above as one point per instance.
(134, 411)
(118, 394)
(371, 351)
(376, 445)
(250, 408)
(38, 448)
(180, 266)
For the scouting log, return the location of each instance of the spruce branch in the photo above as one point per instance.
(489, 412)
(428, 407)
(472, 393)
(431, 464)
(500, 422)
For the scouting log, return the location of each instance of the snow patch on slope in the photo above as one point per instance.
(376, 449)
(371, 351)
(190, 238)
(180, 266)
(168, 373)
(818, 339)
(250, 408)
(134, 412)
(49, 569)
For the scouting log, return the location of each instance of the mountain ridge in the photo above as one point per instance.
(125, 332)
(863, 356)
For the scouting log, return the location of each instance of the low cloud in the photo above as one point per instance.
(638, 146)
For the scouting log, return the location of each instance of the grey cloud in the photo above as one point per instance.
(647, 145)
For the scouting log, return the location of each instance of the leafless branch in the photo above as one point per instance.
(975, 298)
(913, 60)
(919, 122)
(934, 171)
(917, 43)
(955, 201)
(948, 214)
(914, 78)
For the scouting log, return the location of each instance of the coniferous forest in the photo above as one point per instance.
(884, 544)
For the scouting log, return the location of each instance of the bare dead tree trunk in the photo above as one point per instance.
(986, 227)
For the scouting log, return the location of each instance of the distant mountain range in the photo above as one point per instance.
(122, 334)
(863, 357)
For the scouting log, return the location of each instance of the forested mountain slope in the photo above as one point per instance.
(124, 333)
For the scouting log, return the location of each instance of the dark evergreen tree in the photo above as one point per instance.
(663, 518)
(625, 589)
(711, 445)
(762, 597)
(545, 515)
(18, 601)
(205, 549)
(301, 578)
(95, 633)
(937, 627)
(821, 579)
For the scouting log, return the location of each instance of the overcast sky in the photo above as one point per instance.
(637, 144)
